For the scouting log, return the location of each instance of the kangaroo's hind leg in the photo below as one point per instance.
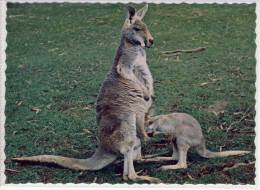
(127, 147)
(137, 153)
(183, 148)
(131, 174)
(175, 153)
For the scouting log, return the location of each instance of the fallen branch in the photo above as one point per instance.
(11, 170)
(155, 155)
(212, 81)
(184, 51)
(237, 165)
(241, 119)
(143, 157)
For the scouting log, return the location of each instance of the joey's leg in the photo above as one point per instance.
(127, 149)
(182, 163)
(175, 153)
(131, 171)
(156, 158)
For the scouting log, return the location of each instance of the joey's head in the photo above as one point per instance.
(152, 125)
(135, 30)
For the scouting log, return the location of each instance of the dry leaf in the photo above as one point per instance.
(14, 132)
(95, 179)
(36, 110)
(11, 170)
(237, 165)
(221, 127)
(212, 80)
(19, 103)
(190, 177)
(215, 79)
(87, 131)
(13, 16)
(217, 108)
(204, 83)
(21, 66)
(53, 49)
(221, 148)
(87, 108)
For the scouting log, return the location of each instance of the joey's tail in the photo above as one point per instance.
(97, 161)
(204, 152)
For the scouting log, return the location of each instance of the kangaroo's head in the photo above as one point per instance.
(135, 30)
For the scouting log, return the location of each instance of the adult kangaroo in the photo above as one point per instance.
(124, 99)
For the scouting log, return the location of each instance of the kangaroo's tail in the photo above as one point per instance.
(97, 161)
(204, 152)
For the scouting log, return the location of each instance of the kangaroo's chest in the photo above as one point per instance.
(141, 68)
(140, 58)
(142, 71)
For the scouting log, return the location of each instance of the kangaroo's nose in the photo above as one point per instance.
(151, 41)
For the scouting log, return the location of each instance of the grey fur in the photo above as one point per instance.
(185, 132)
(123, 101)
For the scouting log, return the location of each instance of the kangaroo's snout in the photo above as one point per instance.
(149, 43)
(149, 40)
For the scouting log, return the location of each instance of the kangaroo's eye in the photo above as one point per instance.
(137, 29)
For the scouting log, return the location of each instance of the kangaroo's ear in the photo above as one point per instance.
(131, 13)
(140, 13)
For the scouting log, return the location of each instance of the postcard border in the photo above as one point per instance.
(3, 45)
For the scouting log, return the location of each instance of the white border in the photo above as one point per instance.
(139, 1)
(3, 46)
(2, 87)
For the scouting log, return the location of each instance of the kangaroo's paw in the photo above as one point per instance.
(173, 167)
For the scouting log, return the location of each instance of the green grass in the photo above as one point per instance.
(59, 54)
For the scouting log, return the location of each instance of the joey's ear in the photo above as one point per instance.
(140, 13)
(130, 13)
(147, 117)
(149, 120)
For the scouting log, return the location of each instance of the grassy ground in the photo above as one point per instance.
(59, 54)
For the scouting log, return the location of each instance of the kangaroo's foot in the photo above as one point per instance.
(182, 156)
(129, 171)
(173, 167)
